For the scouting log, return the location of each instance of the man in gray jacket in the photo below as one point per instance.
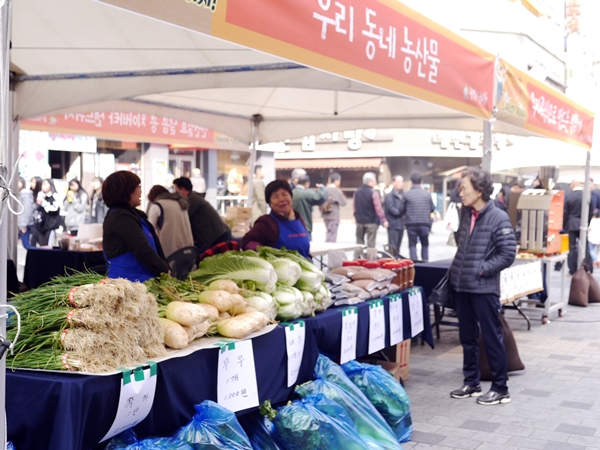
(418, 207)
(330, 210)
(394, 207)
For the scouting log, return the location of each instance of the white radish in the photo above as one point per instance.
(185, 313)
(197, 331)
(174, 335)
(239, 327)
(210, 310)
(238, 305)
(219, 299)
(224, 285)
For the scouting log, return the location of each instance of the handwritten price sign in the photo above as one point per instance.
(376, 326)
(295, 334)
(236, 380)
(396, 319)
(349, 331)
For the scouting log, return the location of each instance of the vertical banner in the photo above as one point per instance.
(376, 326)
(349, 332)
(396, 319)
(236, 380)
(295, 337)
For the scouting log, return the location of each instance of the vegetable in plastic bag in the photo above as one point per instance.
(370, 425)
(259, 430)
(213, 428)
(387, 395)
(316, 423)
(127, 440)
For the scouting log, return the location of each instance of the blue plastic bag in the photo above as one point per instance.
(385, 393)
(129, 441)
(370, 425)
(214, 428)
(316, 423)
(260, 431)
(10, 446)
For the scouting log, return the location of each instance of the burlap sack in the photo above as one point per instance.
(512, 353)
(580, 288)
(594, 293)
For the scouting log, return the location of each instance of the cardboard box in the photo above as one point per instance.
(399, 360)
(239, 213)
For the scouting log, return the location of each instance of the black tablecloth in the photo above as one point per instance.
(66, 411)
(43, 264)
(428, 275)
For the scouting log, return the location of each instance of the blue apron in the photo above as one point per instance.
(292, 236)
(128, 266)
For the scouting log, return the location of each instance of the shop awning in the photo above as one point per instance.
(338, 163)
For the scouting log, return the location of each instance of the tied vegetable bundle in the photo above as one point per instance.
(85, 323)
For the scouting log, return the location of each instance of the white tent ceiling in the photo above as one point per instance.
(78, 55)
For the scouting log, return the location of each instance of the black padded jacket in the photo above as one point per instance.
(483, 254)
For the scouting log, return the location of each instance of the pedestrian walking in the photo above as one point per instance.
(304, 199)
(486, 246)
(394, 208)
(418, 206)
(330, 210)
(572, 222)
(368, 212)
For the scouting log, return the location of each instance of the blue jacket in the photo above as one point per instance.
(483, 254)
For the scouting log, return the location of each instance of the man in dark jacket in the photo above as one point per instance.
(417, 217)
(368, 212)
(393, 207)
(486, 246)
(572, 222)
(305, 198)
(208, 228)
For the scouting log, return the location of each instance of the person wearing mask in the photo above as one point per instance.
(46, 217)
(393, 207)
(283, 227)
(208, 229)
(25, 219)
(132, 248)
(74, 204)
(330, 210)
(304, 199)
(97, 205)
(572, 222)
(368, 212)
(486, 246)
(418, 206)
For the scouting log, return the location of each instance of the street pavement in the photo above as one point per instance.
(553, 403)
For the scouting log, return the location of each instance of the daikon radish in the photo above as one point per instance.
(224, 285)
(187, 314)
(238, 305)
(174, 335)
(239, 327)
(219, 299)
(197, 331)
(210, 310)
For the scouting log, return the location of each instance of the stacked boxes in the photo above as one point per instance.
(238, 219)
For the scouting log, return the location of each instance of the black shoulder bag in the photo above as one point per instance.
(440, 295)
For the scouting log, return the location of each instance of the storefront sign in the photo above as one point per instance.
(378, 42)
(349, 332)
(415, 303)
(396, 317)
(535, 106)
(376, 326)
(138, 387)
(295, 334)
(236, 379)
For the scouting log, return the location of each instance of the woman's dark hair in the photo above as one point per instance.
(118, 187)
(156, 190)
(80, 188)
(38, 186)
(274, 186)
(23, 182)
(51, 183)
(481, 181)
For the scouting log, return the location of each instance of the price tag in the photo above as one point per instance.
(295, 334)
(396, 320)
(415, 304)
(236, 378)
(349, 331)
(376, 326)
(138, 387)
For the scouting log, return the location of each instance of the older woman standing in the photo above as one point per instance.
(486, 246)
(283, 227)
(131, 246)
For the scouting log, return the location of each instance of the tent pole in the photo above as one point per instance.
(256, 120)
(486, 158)
(585, 208)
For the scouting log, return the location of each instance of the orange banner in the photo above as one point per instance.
(535, 106)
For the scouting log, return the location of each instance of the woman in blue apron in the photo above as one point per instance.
(283, 227)
(131, 246)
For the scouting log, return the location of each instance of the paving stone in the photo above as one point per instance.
(535, 393)
(523, 442)
(576, 429)
(586, 441)
(422, 372)
(427, 438)
(455, 442)
(563, 446)
(479, 425)
(576, 405)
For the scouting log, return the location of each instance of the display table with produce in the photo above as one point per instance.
(111, 331)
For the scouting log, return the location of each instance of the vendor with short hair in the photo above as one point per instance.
(131, 246)
(283, 227)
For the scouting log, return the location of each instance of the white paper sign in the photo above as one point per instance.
(138, 387)
(376, 326)
(349, 332)
(295, 334)
(396, 320)
(415, 303)
(236, 380)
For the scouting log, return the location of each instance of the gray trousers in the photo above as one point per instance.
(370, 229)
(332, 230)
